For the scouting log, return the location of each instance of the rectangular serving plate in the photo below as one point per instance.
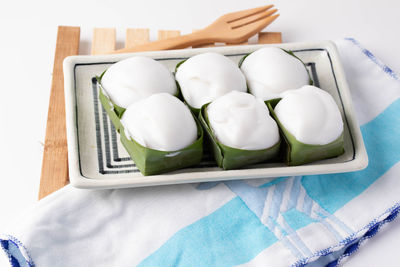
(97, 159)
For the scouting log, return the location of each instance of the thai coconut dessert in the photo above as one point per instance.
(161, 134)
(311, 123)
(136, 78)
(240, 129)
(205, 77)
(269, 71)
(132, 80)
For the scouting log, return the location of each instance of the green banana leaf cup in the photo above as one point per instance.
(295, 152)
(151, 162)
(196, 111)
(232, 158)
(310, 81)
(114, 111)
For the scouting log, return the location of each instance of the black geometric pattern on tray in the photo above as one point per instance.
(109, 159)
(104, 137)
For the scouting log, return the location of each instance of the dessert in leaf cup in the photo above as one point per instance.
(205, 77)
(131, 80)
(270, 71)
(310, 123)
(240, 130)
(161, 134)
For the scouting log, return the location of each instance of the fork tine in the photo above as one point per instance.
(257, 26)
(252, 18)
(231, 17)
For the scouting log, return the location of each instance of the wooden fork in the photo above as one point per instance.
(235, 27)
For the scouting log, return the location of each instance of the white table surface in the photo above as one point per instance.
(28, 36)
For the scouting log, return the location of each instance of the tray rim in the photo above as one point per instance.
(77, 180)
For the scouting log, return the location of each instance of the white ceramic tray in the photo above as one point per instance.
(98, 160)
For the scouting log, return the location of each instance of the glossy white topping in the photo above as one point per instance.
(242, 121)
(311, 115)
(270, 71)
(205, 77)
(160, 122)
(136, 78)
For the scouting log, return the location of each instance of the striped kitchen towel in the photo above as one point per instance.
(292, 221)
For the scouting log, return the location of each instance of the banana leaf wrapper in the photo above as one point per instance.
(151, 162)
(296, 153)
(114, 111)
(232, 158)
(311, 82)
(196, 111)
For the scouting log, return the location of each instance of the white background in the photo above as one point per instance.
(27, 43)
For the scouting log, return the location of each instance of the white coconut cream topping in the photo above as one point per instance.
(270, 71)
(311, 115)
(205, 77)
(160, 122)
(136, 78)
(242, 121)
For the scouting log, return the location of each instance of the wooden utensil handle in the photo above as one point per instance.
(183, 41)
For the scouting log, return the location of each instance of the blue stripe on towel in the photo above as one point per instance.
(12, 247)
(297, 219)
(382, 140)
(294, 193)
(231, 235)
(366, 52)
(275, 181)
(254, 197)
